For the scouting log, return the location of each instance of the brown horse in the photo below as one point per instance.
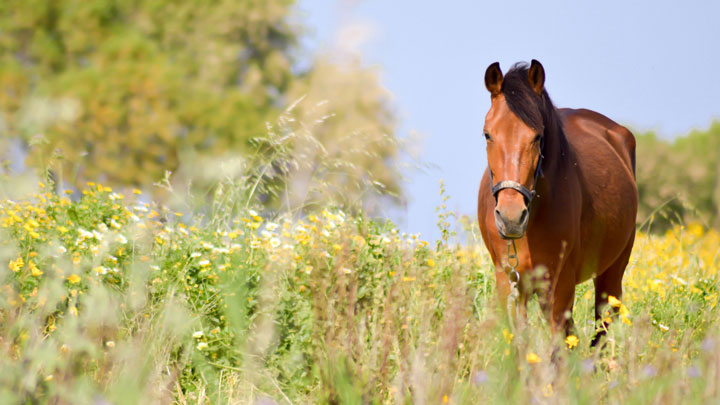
(561, 184)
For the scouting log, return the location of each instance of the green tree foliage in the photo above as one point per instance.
(679, 181)
(121, 91)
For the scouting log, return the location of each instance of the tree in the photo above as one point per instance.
(123, 90)
(679, 181)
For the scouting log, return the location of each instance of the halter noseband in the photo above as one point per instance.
(528, 194)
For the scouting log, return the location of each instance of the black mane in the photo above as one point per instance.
(535, 110)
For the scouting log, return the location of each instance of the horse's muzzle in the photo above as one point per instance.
(511, 225)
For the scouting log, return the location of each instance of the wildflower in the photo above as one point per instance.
(274, 242)
(614, 302)
(533, 358)
(202, 346)
(110, 344)
(480, 377)
(136, 191)
(430, 262)
(195, 254)
(204, 263)
(271, 226)
(624, 312)
(507, 335)
(16, 265)
(74, 279)
(547, 391)
(198, 334)
(571, 341)
(34, 270)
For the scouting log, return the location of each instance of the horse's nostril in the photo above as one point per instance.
(523, 215)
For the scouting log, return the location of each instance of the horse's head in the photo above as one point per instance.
(514, 133)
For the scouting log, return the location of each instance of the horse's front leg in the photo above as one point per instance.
(561, 318)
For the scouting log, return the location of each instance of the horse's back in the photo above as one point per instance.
(593, 123)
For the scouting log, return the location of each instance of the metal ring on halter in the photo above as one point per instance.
(514, 274)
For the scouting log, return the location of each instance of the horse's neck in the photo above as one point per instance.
(556, 153)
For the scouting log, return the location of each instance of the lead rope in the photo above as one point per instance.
(513, 278)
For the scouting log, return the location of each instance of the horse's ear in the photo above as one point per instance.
(494, 79)
(536, 76)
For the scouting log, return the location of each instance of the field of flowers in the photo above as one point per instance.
(107, 298)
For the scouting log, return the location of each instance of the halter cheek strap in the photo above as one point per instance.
(528, 194)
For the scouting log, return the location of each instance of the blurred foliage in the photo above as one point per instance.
(122, 91)
(355, 130)
(679, 181)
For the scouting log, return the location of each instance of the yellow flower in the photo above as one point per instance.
(136, 191)
(571, 341)
(34, 269)
(507, 335)
(16, 265)
(533, 358)
(430, 262)
(614, 301)
(74, 279)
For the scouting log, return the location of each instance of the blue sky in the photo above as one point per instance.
(650, 65)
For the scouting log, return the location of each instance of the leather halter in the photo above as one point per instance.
(528, 194)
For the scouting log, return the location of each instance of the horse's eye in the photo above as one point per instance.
(537, 139)
(487, 137)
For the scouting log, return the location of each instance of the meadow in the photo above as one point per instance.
(110, 298)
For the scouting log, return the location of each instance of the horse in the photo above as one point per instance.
(559, 194)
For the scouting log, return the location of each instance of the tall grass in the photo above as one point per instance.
(108, 298)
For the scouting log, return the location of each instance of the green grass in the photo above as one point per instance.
(110, 298)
